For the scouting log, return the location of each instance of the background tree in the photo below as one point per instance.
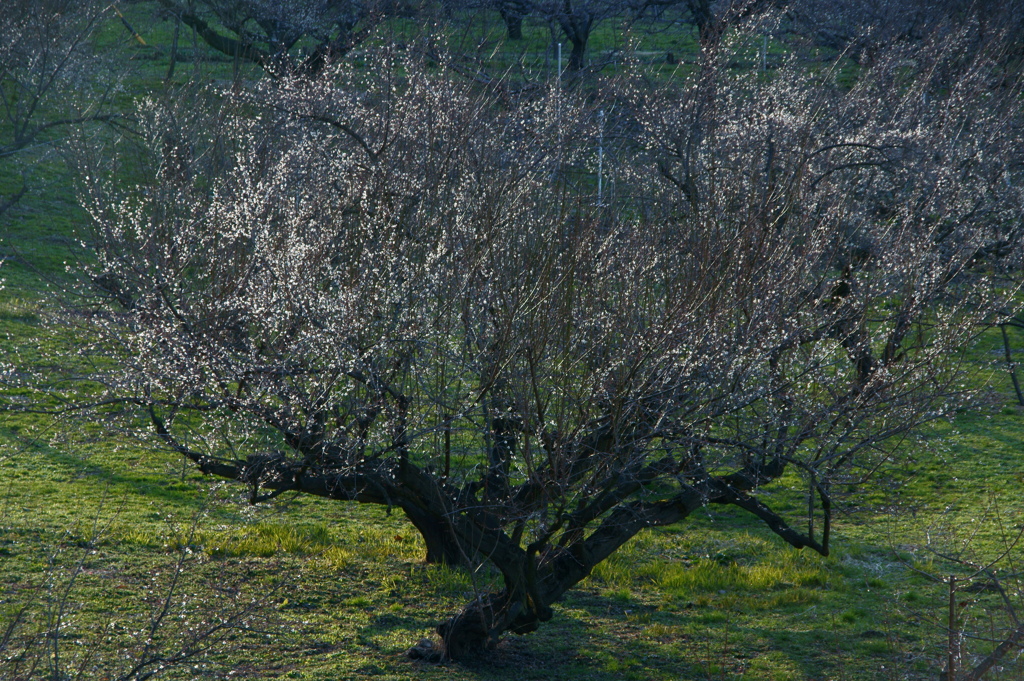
(859, 27)
(45, 54)
(512, 13)
(386, 290)
(285, 37)
(980, 630)
(712, 19)
(576, 20)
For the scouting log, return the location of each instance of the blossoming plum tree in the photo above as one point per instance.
(387, 285)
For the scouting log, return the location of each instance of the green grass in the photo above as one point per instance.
(716, 597)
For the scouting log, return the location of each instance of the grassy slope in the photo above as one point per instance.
(718, 597)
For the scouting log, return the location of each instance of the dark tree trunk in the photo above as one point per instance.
(576, 23)
(711, 25)
(479, 626)
(577, 58)
(442, 546)
(703, 19)
(174, 51)
(513, 24)
(534, 582)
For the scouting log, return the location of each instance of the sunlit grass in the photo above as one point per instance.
(17, 309)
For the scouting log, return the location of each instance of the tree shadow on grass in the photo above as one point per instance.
(558, 651)
(648, 640)
(150, 484)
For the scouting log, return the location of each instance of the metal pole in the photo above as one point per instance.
(559, 66)
(600, 157)
(952, 652)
